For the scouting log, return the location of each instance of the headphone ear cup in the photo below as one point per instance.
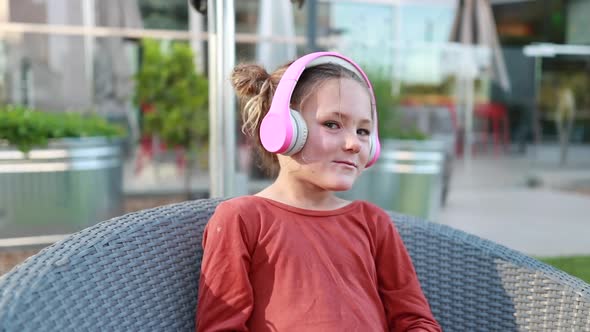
(374, 150)
(299, 133)
(372, 145)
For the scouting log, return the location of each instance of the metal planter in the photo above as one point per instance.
(60, 189)
(407, 178)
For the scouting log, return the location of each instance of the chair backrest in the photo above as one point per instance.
(140, 272)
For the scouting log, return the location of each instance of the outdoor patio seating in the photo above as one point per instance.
(140, 272)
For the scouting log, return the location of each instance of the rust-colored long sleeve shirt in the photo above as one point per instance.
(268, 266)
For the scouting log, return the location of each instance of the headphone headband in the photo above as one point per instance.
(277, 129)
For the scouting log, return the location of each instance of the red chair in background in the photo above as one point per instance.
(495, 117)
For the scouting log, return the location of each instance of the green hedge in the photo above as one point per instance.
(27, 128)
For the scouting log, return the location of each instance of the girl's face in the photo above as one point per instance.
(339, 121)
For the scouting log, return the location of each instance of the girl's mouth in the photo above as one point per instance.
(346, 163)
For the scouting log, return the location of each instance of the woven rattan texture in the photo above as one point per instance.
(476, 285)
(139, 272)
(136, 272)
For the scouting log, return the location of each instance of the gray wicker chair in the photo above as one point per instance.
(140, 272)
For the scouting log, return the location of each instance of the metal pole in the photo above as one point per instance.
(88, 19)
(312, 27)
(222, 143)
(228, 19)
(215, 177)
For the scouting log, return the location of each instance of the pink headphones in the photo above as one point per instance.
(283, 130)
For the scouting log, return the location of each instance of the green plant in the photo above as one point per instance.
(173, 98)
(27, 128)
(390, 124)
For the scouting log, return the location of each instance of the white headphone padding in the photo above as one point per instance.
(299, 133)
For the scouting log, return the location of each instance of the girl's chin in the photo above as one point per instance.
(342, 186)
(332, 183)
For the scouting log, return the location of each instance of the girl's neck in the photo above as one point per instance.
(301, 194)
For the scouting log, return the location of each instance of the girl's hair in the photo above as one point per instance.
(256, 87)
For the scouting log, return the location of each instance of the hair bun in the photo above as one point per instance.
(248, 79)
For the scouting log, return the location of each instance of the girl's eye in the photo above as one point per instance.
(331, 125)
(363, 132)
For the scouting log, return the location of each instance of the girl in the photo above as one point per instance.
(295, 257)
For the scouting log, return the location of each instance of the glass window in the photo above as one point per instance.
(422, 34)
(425, 23)
(150, 14)
(578, 12)
(323, 23)
(364, 32)
(246, 52)
(158, 14)
(50, 12)
(59, 73)
(247, 16)
(405, 40)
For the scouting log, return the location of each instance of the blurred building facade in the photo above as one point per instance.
(81, 54)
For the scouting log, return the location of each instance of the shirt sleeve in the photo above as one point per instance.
(406, 307)
(225, 299)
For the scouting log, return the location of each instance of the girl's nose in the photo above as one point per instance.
(352, 144)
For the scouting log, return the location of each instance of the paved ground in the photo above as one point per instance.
(493, 201)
